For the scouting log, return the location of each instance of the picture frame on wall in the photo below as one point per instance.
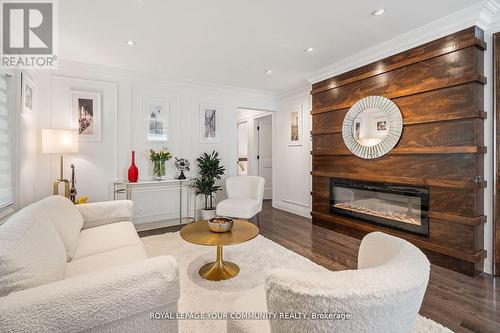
(157, 114)
(87, 115)
(295, 127)
(210, 115)
(28, 93)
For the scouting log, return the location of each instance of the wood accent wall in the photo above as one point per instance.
(438, 87)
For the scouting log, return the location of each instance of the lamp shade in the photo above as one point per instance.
(59, 141)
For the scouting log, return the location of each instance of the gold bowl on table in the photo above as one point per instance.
(220, 224)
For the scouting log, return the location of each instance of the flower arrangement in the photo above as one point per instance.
(159, 158)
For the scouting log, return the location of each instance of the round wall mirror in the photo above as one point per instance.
(372, 127)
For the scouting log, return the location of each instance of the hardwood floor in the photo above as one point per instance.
(462, 303)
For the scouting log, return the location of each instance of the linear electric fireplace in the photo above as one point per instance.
(396, 206)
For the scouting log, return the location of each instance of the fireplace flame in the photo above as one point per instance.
(405, 218)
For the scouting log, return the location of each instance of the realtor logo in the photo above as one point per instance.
(28, 33)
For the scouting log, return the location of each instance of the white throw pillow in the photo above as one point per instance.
(66, 218)
(31, 251)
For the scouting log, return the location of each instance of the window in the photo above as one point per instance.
(6, 191)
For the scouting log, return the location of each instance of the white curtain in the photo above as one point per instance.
(6, 197)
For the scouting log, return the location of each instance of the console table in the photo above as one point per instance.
(128, 188)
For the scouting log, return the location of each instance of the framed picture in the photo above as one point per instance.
(87, 115)
(28, 93)
(210, 123)
(157, 114)
(295, 129)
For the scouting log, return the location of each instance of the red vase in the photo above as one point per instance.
(133, 172)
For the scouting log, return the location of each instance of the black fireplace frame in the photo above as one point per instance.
(420, 192)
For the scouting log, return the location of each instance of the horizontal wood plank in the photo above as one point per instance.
(462, 39)
(459, 133)
(410, 151)
(418, 241)
(448, 183)
(450, 70)
(449, 167)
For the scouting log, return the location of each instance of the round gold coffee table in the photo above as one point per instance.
(198, 233)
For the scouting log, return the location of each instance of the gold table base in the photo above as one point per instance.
(219, 269)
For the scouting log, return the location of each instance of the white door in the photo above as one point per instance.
(265, 153)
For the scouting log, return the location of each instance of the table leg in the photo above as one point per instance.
(180, 202)
(220, 269)
(129, 193)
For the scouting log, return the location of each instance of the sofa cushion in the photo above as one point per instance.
(106, 237)
(238, 207)
(31, 251)
(66, 218)
(112, 258)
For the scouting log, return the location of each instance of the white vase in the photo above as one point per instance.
(207, 214)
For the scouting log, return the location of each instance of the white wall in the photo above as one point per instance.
(100, 163)
(489, 142)
(27, 153)
(292, 181)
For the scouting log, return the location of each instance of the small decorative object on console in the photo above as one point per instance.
(72, 189)
(133, 171)
(182, 165)
(220, 224)
(159, 159)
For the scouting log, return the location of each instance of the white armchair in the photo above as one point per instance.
(244, 197)
(383, 295)
(67, 268)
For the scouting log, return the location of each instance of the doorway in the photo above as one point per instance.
(256, 146)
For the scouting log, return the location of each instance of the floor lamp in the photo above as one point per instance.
(60, 141)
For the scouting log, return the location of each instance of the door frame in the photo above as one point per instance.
(496, 157)
(252, 157)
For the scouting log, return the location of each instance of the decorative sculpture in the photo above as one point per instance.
(72, 190)
(182, 165)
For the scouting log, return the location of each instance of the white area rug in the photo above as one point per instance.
(255, 259)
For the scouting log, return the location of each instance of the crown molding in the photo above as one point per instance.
(296, 93)
(115, 73)
(483, 14)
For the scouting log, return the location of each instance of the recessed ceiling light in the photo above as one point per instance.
(309, 49)
(130, 42)
(378, 12)
(269, 71)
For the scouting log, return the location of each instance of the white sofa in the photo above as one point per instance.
(67, 268)
(383, 295)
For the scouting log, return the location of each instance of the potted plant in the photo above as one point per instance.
(159, 159)
(210, 170)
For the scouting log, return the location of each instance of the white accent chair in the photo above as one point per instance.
(67, 268)
(383, 295)
(244, 197)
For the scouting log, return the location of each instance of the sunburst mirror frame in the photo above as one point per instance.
(394, 124)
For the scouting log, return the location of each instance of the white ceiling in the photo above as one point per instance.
(233, 42)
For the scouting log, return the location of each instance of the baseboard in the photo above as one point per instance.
(158, 224)
(293, 209)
